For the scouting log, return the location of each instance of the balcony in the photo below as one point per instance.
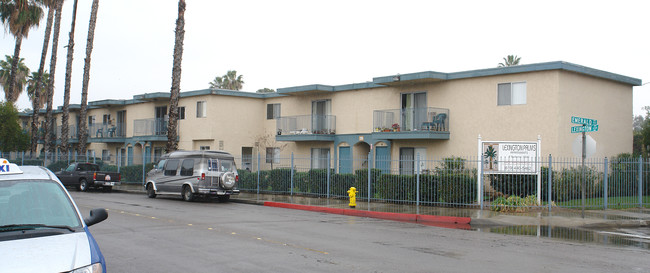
(72, 132)
(153, 129)
(107, 132)
(306, 128)
(411, 123)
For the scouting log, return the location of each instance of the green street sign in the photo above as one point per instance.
(586, 128)
(585, 121)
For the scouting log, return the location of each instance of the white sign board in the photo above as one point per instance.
(510, 157)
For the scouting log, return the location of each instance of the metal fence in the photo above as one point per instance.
(454, 182)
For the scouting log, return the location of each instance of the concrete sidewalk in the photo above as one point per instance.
(447, 217)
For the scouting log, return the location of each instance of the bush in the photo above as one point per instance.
(623, 179)
(361, 181)
(567, 184)
(514, 203)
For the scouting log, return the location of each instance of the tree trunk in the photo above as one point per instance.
(49, 120)
(35, 99)
(12, 95)
(83, 135)
(172, 137)
(68, 79)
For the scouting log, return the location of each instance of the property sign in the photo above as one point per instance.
(510, 157)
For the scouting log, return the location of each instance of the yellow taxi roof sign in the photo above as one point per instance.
(8, 168)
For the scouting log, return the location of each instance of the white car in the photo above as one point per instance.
(41, 229)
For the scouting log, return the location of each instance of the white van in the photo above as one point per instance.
(194, 173)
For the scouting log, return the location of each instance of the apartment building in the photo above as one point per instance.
(431, 114)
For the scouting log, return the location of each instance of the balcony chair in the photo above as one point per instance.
(99, 132)
(111, 132)
(439, 122)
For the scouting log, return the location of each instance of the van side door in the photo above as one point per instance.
(170, 171)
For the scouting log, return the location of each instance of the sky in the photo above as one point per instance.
(279, 44)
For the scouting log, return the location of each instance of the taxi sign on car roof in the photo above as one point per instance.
(8, 168)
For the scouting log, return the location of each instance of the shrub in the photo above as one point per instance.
(514, 203)
(567, 184)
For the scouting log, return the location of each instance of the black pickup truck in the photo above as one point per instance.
(87, 175)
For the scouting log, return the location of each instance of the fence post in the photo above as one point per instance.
(328, 175)
(291, 183)
(640, 182)
(258, 173)
(369, 179)
(45, 159)
(22, 159)
(605, 184)
(480, 182)
(417, 181)
(550, 181)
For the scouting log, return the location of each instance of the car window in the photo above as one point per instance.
(213, 165)
(171, 167)
(187, 169)
(161, 164)
(36, 202)
(227, 166)
(71, 168)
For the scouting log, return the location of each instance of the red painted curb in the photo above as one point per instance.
(436, 220)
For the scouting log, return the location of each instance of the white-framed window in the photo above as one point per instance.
(272, 155)
(201, 109)
(511, 93)
(181, 112)
(272, 111)
(106, 155)
(319, 158)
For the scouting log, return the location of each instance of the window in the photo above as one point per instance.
(91, 120)
(187, 169)
(106, 119)
(272, 155)
(201, 110)
(319, 158)
(181, 112)
(204, 148)
(171, 167)
(106, 155)
(511, 93)
(273, 111)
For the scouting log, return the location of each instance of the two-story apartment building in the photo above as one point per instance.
(429, 113)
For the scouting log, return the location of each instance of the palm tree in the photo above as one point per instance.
(19, 16)
(229, 81)
(68, 77)
(84, 88)
(511, 60)
(172, 141)
(38, 83)
(491, 154)
(50, 126)
(37, 98)
(20, 78)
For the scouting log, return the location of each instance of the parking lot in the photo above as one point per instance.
(168, 235)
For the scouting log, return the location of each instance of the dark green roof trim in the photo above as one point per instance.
(328, 88)
(108, 102)
(510, 70)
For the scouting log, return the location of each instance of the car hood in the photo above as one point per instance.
(57, 253)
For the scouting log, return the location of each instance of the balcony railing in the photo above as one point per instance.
(107, 131)
(72, 132)
(411, 119)
(307, 125)
(150, 127)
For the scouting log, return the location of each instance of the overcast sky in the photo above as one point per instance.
(277, 44)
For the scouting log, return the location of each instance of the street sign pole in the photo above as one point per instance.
(584, 155)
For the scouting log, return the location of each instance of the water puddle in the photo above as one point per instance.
(628, 237)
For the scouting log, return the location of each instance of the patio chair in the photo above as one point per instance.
(439, 122)
(99, 132)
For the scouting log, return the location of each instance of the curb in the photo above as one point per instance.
(431, 220)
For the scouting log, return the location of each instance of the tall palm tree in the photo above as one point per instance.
(38, 83)
(511, 60)
(172, 138)
(229, 81)
(50, 125)
(12, 93)
(84, 88)
(35, 82)
(68, 78)
(19, 16)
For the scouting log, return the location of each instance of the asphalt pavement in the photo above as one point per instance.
(447, 217)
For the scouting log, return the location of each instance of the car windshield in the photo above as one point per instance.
(38, 203)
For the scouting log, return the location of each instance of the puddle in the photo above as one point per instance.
(636, 237)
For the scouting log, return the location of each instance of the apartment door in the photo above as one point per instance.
(414, 110)
(320, 111)
(121, 123)
(406, 156)
(159, 122)
(382, 159)
(247, 158)
(345, 160)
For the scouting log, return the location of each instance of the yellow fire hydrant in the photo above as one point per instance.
(352, 192)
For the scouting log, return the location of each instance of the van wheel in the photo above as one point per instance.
(151, 193)
(83, 184)
(223, 198)
(187, 194)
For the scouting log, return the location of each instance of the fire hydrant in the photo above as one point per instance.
(352, 192)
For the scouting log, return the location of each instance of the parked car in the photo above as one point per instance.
(87, 175)
(192, 174)
(41, 229)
